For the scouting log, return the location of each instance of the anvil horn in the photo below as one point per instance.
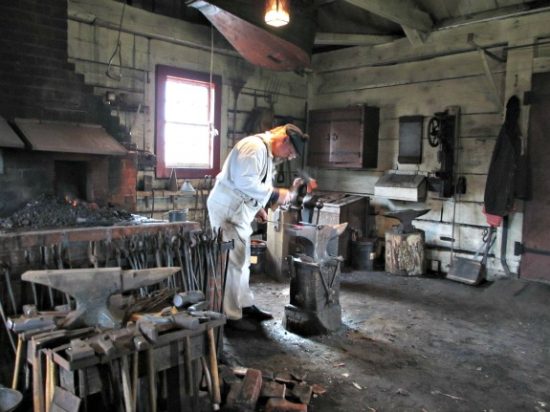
(93, 287)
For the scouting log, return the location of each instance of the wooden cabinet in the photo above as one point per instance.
(344, 138)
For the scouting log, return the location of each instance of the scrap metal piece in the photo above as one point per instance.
(93, 287)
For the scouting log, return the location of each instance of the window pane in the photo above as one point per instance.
(187, 146)
(186, 101)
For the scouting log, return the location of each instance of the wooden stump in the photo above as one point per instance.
(405, 253)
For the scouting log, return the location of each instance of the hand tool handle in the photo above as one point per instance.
(152, 381)
(17, 367)
(214, 367)
(126, 389)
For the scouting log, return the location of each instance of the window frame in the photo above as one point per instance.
(162, 73)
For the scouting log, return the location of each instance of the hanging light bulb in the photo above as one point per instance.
(277, 12)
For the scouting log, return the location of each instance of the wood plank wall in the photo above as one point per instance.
(445, 71)
(148, 40)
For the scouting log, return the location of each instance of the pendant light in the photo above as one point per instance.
(277, 12)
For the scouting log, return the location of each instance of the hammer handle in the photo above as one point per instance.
(214, 370)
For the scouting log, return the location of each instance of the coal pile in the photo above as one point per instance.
(53, 212)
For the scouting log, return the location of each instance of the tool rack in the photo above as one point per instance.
(101, 378)
(174, 357)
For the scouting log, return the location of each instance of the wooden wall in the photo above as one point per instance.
(445, 71)
(148, 40)
(397, 77)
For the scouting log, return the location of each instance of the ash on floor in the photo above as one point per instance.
(413, 344)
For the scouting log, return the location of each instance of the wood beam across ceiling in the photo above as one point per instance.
(341, 39)
(403, 12)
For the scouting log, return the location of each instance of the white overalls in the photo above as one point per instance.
(242, 187)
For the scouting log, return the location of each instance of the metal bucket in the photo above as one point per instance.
(257, 256)
(363, 252)
(9, 399)
(177, 215)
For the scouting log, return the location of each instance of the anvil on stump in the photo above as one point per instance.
(315, 282)
(405, 251)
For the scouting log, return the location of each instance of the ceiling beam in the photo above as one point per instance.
(403, 12)
(416, 37)
(340, 39)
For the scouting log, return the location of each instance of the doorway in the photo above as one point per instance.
(536, 225)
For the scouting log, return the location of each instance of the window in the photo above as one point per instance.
(188, 123)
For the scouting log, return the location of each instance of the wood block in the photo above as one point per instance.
(405, 253)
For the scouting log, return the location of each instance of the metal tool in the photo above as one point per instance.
(405, 218)
(472, 271)
(92, 288)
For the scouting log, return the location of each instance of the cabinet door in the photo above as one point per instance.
(346, 140)
(319, 139)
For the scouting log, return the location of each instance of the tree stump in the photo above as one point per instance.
(405, 253)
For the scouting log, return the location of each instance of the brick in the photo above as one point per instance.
(282, 405)
(247, 396)
(231, 399)
(271, 389)
(302, 392)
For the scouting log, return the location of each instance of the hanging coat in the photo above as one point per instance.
(501, 180)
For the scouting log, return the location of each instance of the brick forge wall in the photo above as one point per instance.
(123, 182)
(37, 82)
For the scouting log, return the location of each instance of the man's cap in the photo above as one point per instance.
(297, 137)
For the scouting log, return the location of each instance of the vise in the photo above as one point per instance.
(314, 284)
(93, 287)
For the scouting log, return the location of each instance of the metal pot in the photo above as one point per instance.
(177, 215)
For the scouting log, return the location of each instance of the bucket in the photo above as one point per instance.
(177, 215)
(257, 256)
(9, 399)
(363, 252)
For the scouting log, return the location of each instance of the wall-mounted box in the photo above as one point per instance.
(395, 186)
(344, 138)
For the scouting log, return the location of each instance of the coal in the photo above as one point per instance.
(52, 212)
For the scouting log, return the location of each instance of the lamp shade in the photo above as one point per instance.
(277, 12)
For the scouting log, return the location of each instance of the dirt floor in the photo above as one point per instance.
(414, 344)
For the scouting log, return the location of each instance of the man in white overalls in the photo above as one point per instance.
(243, 189)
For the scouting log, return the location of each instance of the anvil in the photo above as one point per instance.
(93, 287)
(405, 218)
(317, 237)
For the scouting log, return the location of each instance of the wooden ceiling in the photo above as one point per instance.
(343, 23)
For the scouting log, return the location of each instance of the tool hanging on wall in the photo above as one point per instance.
(442, 134)
(117, 52)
